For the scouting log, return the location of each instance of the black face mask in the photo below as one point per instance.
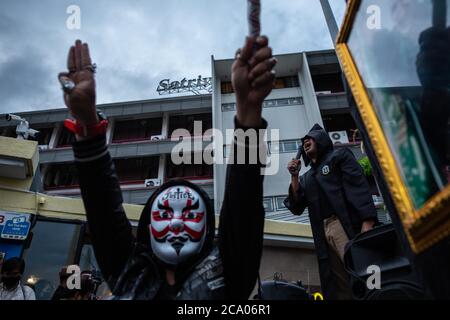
(10, 282)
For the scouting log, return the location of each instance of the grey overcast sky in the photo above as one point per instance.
(137, 43)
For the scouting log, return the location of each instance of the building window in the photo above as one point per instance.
(228, 107)
(283, 102)
(290, 146)
(341, 122)
(135, 130)
(287, 82)
(187, 122)
(328, 83)
(226, 87)
(275, 147)
(9, 132)
(296, 101)
(280, 203)
(61, 175)
(54, 245)
(189, 171)
(286, 146)
(137, 169)
(268, 204)
(268, 103)
(44, 136)
(66, 138)
(280, 83)
(226, 151)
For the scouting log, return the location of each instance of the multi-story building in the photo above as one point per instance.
(308, 90)
(139, 141)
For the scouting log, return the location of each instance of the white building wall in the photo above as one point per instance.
(293, 122)
(110, 130)
(310, 97)
(55, 135)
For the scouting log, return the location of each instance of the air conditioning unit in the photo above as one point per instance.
(152, 183)
(158, 138)
(339, 137)
(319, 93)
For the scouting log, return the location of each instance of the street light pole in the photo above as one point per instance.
(330, 19)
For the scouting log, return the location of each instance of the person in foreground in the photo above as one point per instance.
(174, 255)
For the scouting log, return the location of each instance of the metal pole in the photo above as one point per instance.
(330, 19)
(440, 14)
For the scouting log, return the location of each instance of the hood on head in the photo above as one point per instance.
(143, 231)
(323, 142)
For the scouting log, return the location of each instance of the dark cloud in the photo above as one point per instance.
(137, 43)
(25, 82)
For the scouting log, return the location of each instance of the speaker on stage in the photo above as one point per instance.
(380, 249)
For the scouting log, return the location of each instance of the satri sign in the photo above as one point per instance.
(14, 226)
(196, 86)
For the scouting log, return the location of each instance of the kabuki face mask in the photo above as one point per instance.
(178, 224)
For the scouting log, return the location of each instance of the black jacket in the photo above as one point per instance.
(338, 176)
(129, 264)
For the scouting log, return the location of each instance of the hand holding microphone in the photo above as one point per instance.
(294, 167)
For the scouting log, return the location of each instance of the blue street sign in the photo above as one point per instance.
(14, 226)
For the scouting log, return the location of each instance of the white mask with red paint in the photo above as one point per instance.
(178, 224)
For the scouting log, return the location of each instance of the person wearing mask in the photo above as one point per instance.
(11, 287)
(339, 203)
(174, 255)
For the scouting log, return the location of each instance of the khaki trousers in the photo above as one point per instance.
(336, 240)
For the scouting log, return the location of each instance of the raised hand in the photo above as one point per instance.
(253, 78)
(294, 167)
(80, 99)
(433, 60)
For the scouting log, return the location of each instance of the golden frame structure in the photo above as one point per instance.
(431, 223)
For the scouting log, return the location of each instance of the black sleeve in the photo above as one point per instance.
(241, 227)
(109, 227)
(355, 186)
(58, 294)
(297, 206)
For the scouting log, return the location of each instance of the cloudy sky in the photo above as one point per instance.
(137, 43)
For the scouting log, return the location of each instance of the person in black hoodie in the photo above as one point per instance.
(339, 203)
(174, 255)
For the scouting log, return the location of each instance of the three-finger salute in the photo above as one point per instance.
(78, 85)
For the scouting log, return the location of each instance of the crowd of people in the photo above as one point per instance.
(13, 288)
